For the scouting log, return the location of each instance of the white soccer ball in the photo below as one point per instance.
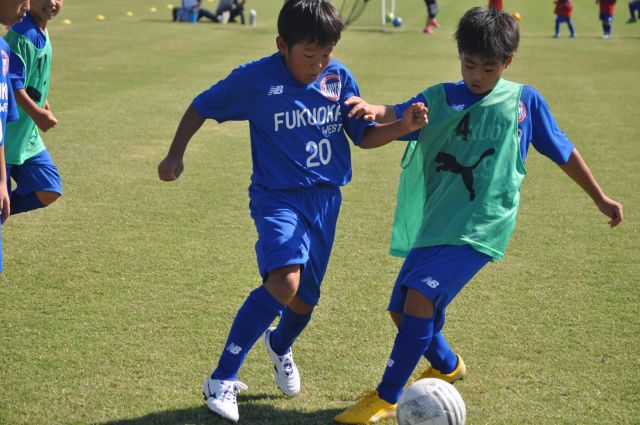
(431, 401)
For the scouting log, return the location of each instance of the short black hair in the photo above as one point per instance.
(489, 33)
(310, 21)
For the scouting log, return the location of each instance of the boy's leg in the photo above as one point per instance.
(38, 183)
(413, 338)
(571, 30)
(319, 209)
(557, 33)
(253, 318)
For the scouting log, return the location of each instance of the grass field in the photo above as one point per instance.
(116, 301)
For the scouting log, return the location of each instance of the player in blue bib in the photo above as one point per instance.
(468, 175)
(10, 13)
(294, 103)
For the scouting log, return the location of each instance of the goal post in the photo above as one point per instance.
(366, 13)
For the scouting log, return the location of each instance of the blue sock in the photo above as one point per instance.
(290, 326)
(413, 338)
(557, 26)
(28, 202)
(253, 318)
(440, 355)
(571, 27)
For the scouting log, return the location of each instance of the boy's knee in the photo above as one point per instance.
(283, 283)
(47, 198)
(417, 304)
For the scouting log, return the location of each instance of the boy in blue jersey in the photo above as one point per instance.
(294, 102)
(28, 161)
(11, 11)
(459, 195)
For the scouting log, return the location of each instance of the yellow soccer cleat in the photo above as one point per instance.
(458, 373)
(369, 409)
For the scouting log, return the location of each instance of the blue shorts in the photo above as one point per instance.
(437, 272)
(37, 173)
(606, 18)
(296, 227)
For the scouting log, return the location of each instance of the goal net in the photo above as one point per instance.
(366, 13)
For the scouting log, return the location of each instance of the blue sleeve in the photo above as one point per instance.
(12, 113)
(401, 107)
(354, 128)
(538, 127)
(226, 100)
(16, 72)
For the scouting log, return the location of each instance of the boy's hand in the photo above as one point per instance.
(611, 209)
(170, 168)
(415, 117)
(45, 120)
(4, 203)
(360, 109)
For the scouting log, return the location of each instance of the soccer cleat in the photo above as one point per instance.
(427, 30)
(606, 36)
(221, 397)
(434, 23)
(285, 370)
(555, 36)
(458, 373)
(368, 410)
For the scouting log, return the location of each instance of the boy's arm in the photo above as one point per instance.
(43, 117)
(382, 114)
(172, 165)
(414, 118)
(4, 193)
(579, 172)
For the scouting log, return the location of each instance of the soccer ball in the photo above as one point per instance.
(517, 16)
(397, 21)
(431, 401)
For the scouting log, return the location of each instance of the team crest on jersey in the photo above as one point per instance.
(331, 86)
(5, 63)
(522, 112)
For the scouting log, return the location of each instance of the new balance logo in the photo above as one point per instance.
(234, 349)
(430, 282)
(275, 90)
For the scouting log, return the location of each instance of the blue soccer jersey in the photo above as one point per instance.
(8, 110)
(536, 124)
(297, 131)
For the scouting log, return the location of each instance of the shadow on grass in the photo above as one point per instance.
(250, 414)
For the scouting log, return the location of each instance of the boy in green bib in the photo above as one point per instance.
(37, 182)
(459, 194)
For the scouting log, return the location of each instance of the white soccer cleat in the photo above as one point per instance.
(285, 370)
(221, 397)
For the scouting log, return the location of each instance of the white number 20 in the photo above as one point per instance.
(320, 153)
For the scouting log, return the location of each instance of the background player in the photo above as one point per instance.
(607, 8)
(293, 101)
(469, 161)
(563, 11)
(28, 161)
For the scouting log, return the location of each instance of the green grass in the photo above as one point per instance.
(116, 301)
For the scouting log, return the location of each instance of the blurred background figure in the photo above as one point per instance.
(192, 10)
(495, 4)
(563, 11)
(634, 9)
(231, 9)
(606, 16)
(432, 11)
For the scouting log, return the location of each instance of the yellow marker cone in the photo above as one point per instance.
(169, 6)
(129, 13)
(153, 9)
(66, 21)
(100, 18)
